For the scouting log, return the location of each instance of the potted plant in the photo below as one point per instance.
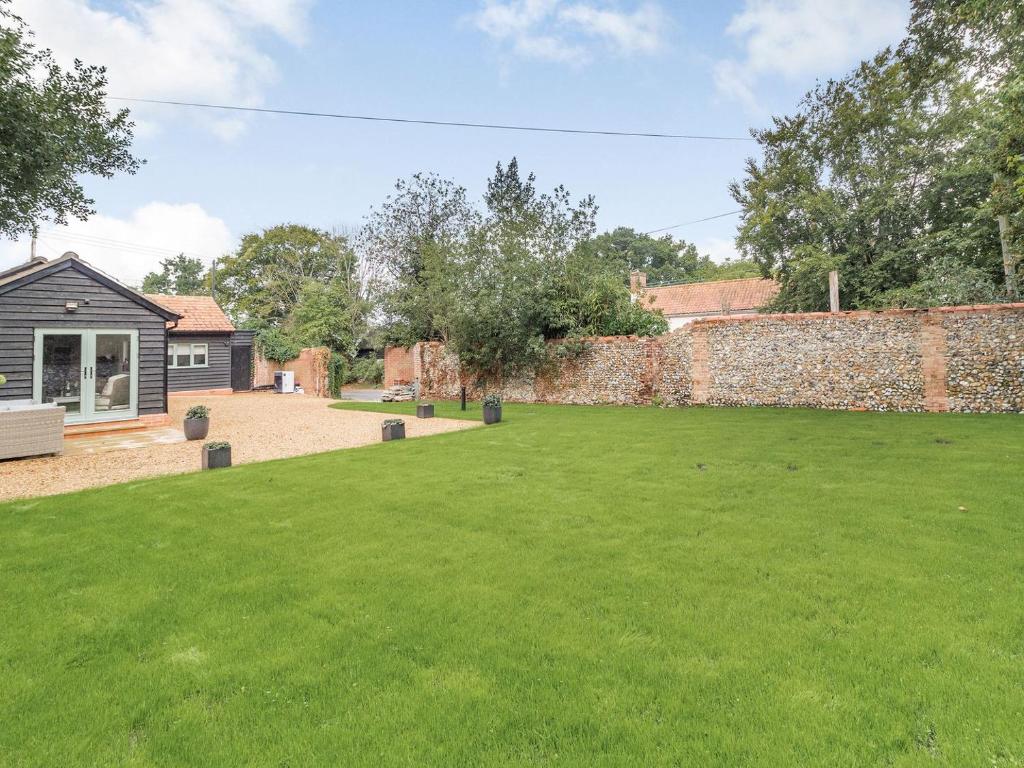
(197, 422)
(492, 409)
(392, 429)
(216, 455)
(425, 410)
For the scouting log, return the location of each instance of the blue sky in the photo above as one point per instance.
(651, 66)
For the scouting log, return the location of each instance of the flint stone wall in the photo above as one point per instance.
(967, 359)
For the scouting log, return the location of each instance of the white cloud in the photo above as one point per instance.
(119, 247)
(719, 249)
(801, 38)
(550, 30)
(184, 50)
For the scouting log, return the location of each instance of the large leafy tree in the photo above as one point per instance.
(413, 244)
(182, 275)
(534, 279)
(54, 128)
(495, 282)
(664, 259)
(302, 281)
(886, 175)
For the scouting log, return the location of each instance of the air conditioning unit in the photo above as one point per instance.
(284, 382)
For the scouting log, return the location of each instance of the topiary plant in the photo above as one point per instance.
(198, 412)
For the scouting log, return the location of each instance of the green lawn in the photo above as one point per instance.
(572, 587)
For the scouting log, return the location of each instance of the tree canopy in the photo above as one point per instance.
(664, 259)
(182, 275)
(496, 281)
(891, 174)
(300, 281)
(54, 128)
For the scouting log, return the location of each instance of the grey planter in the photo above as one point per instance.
(218, 458)
(197, 429)
(392, 432)
(425, 411)
(492, 414)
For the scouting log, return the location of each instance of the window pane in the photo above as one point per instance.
(198, 354)
(170, 354)
(182, 358)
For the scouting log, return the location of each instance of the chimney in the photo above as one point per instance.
(637, 282)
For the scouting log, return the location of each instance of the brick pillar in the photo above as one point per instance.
(699, 371)
(933, 361)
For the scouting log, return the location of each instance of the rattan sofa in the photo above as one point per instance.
(28, 429)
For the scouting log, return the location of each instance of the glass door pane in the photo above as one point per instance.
(112, 380)
(62, 371)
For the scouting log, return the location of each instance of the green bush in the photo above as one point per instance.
(492, 401)
(198, 412)
(368, 370)
(274, 345)
(338, 372)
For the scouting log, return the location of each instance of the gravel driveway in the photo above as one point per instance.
(259, 427)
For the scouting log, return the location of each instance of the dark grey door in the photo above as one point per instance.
(241, 368)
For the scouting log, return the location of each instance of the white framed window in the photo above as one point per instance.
(187, 355)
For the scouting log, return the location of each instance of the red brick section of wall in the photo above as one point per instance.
(398, 366)
(310, 369)
(699, 373)
(950, 358)
(933, 362)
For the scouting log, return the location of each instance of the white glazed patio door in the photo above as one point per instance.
(94, 374)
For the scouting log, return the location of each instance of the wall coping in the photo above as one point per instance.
(856, 314)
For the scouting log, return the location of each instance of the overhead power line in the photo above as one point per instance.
(107, 242)
(695, 221)
(445, 123)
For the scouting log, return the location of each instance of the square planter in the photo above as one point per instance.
(392, 432)
(425, 411)
(216, 458)
(492, 414)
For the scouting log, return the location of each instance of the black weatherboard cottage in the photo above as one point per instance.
(72, 335)
(204, 351)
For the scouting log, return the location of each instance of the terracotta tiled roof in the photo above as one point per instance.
(199, 314)
(720, 296)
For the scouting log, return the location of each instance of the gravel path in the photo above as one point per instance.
(258, 426)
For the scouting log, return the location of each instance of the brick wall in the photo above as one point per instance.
(398, 366)
(951, 358)
(310, 369)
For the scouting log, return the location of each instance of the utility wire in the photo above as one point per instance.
(695, 221)
(96, 240)
(446, 123)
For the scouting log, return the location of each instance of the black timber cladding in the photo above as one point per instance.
(216, 374)
(36, 300)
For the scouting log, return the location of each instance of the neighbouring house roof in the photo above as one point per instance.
(199, 314)
(38, 268)
(719, 296)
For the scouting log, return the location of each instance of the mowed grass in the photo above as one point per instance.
(572, 587)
